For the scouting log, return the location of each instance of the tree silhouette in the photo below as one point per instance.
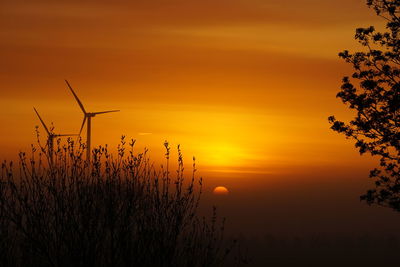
(373, 93)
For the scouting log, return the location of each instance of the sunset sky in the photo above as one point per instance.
(246, 86)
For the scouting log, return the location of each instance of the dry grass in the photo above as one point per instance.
(117, 211)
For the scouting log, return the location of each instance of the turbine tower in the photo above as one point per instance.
(50, 137)
(87, 116)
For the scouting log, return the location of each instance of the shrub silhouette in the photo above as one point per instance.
(117, 211)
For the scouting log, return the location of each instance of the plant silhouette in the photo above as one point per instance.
(376, 99)
(115, 211)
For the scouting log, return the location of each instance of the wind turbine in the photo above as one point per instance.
(50, 137)
(87, 116)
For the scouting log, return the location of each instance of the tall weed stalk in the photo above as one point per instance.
(118, 210)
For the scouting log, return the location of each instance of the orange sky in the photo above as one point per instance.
(244, 85)
(241, 84)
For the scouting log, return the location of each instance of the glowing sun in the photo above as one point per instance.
(221, 190)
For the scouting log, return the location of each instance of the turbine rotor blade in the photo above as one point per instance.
(44, 125)
(76, 97)
(83, 124)
(102, 112)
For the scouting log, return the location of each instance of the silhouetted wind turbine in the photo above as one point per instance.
(50, 137)
(87, 116)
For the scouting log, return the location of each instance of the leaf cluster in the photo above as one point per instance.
(373, 92)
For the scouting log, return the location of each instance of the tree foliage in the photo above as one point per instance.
(373, 92)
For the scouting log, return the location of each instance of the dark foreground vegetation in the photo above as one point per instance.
(117, 211)
(373, 92)
(324, 249)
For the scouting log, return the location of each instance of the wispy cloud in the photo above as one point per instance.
(145, 133)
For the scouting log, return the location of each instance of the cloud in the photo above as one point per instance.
(310, 13)
(145, 133)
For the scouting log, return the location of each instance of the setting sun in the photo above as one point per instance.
(221, 190)
(237, 101)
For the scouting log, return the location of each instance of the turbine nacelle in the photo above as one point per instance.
(87, 118)
(92, 114)
(50, 137)
(50, 134)
(86, 115)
